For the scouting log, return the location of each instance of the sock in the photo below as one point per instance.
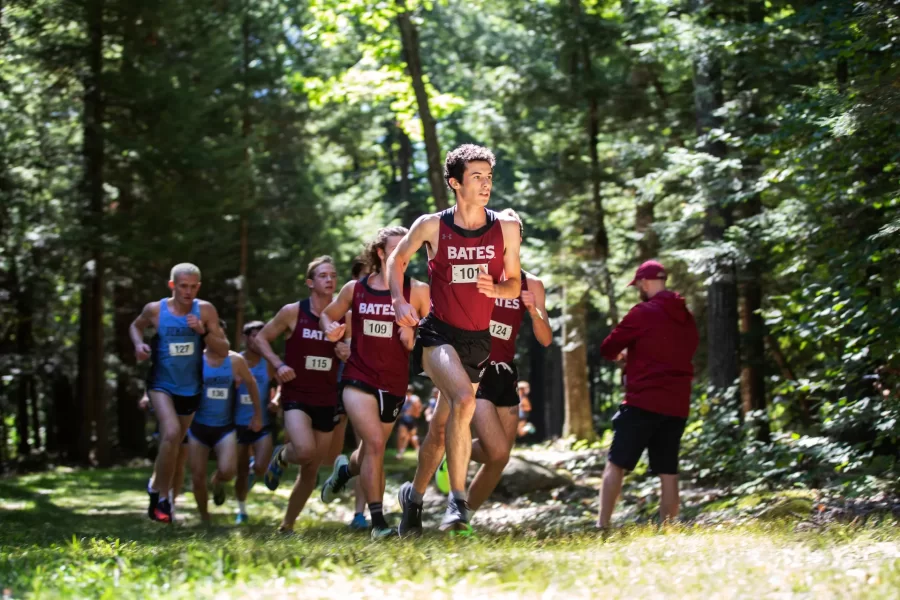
(378, 521)
(242, 507)
(415, 496)
(458, 495)
(280, 457)
(150, 489)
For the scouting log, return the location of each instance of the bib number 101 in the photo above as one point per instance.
(467, 273)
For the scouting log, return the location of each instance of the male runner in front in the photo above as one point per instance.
(469, 249)
(377, 372)
(249, 468)
(496, 419)
(184, 325)
(308, 377)
(213, 425)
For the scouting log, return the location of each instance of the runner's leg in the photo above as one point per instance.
(495, 427)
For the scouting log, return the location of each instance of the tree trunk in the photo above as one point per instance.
(130, 419)
(410, 40)
(246, 131)
(722, 298)
(404, 159)
(648, 241)
(579, 419)
(91, 375)
(22, 355)
(592, 121)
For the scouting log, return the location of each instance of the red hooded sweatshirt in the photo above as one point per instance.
(661, 338)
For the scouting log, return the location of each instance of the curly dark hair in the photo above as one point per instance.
(358, 266)
(370, 255)
(458, 158)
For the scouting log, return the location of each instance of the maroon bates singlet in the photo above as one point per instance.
(455, 298)
(377, 356)
(312, 357)
(506, 321)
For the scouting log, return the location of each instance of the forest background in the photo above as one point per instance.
(752, 146)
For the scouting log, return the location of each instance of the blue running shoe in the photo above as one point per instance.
(359, 522)
(241, 519)
(276, 468)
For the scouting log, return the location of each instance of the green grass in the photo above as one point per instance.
(85, 534)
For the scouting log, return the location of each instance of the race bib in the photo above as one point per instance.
(382, 329)
(318, 363)
(182, 349)
(245, 399)
(467, 273)
(499, 330)
(217, 393)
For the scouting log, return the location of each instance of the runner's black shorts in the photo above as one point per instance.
(473, 347)
(636, 429)
(499, 384)
(324, 418)
(409, 422)
(209, 435)
(184, 405)
(247, 437)
(389, 405)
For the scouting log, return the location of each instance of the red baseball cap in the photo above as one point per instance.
(650, 270)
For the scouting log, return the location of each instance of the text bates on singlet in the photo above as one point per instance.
(501, 330)
(318, 363)
(382, 329)
(181, 349)
(467, 273)
(217, 393)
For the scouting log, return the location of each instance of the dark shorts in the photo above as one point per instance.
(184, 405)
(209, 435)
(499, 385)
(324, 418)
(389, 405)
(636, 429)
(246, 437)
(409, 422)
(473, 347)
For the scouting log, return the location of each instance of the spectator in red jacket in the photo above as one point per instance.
(656, 341)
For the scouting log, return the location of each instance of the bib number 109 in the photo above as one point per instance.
(382, 329)
(467, 273)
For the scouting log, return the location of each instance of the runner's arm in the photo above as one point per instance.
(540, 323)
(240, 368)
(276, 326)
(142, 322)
(423, 231)
(512, 285)
(334, 312)
(215, 338)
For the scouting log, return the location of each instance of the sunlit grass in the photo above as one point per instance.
(86, 534)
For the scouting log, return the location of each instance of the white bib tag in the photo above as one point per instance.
(318, 363)
(467, 273)
(217, 393)
(382, 329)
(500, 330)
(245, 399)
(182, 349)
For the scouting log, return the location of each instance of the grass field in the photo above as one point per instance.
(86, 534)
